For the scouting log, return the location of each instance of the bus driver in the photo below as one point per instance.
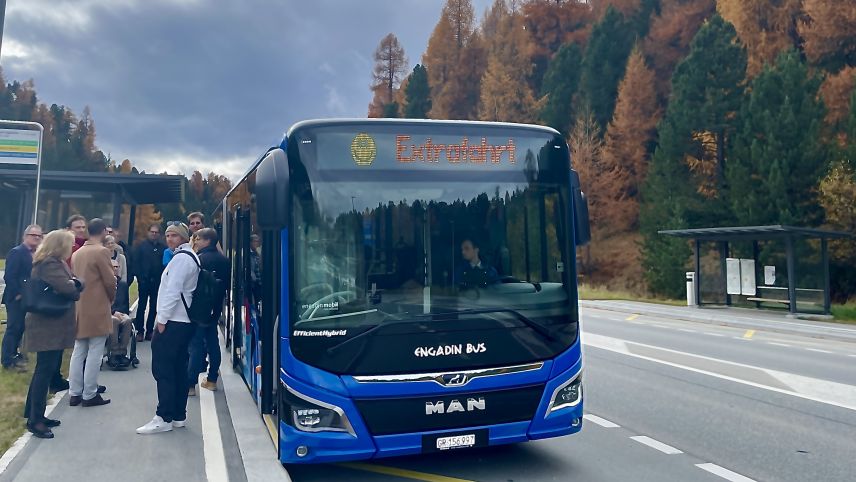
(473, 272)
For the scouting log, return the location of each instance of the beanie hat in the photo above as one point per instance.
(179, 229)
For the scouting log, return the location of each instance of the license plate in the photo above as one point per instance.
(455, 440)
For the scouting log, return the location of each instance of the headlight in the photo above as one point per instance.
(569, 394)
(310, 415)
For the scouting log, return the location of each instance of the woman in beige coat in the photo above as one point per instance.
(48, 335)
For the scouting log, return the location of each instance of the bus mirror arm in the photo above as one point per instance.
(272, 190)
(582, 224)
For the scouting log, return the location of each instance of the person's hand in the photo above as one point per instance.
(161, 327)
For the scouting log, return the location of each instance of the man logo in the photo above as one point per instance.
(363, 150)
(455, 379)
(473, 404)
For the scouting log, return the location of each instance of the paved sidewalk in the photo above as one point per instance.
(736, 317)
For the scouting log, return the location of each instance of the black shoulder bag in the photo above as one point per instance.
(40, 298)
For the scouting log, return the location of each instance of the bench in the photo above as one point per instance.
(769, 300)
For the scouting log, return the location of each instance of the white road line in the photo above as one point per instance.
(212, 441)
(713, 334)
(822, 391)
(659, 326)
(741, 338)
(724, 473)
(19, 444)
(600, 421)
(777, 344)
(818, 350)
(852, 356)
(656, 444)
(687, 331)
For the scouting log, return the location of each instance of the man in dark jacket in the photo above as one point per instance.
(148, 267)
(205, 341)
(19, 263)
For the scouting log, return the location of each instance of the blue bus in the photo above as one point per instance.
(403, 287)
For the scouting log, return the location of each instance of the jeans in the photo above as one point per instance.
(47, 364)
(84, 381)
(205, 342)
(169, 368)
(148, 295)
(14, 332)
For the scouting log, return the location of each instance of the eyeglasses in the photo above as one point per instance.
(35, 235)
(175, 223)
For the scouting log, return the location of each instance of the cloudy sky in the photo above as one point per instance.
(178, 85)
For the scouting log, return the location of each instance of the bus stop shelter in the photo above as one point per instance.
(789, 235)
(59, 187)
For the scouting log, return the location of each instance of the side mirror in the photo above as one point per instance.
(272, 190)
(582, 225)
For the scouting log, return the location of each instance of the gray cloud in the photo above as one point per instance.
(198, 84)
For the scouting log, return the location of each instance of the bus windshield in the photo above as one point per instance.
(416, 245)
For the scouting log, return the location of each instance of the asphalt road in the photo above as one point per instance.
(665, 400)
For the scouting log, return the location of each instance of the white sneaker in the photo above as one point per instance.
(179, 423)
(157, 425)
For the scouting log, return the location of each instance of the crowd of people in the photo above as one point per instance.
(69, 289)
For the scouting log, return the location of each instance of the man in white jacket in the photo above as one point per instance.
(173, 333)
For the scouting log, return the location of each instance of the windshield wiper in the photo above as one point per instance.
(541, 329)
(341, 315)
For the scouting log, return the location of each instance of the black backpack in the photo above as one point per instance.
(206, 296)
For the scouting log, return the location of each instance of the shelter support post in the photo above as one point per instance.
(723, 254)
(792, 276)
(824, 253)
(756, 253)
(132, 219)
(697, 255)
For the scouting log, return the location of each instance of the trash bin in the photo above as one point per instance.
(691, 293)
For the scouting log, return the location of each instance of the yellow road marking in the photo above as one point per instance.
(271, 428)
(749, 334)
(403, 473)
(631, 317)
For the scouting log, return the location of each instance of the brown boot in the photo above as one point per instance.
(95, 401)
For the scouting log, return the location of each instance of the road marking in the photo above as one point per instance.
(19, 444)
(600, 421)
(777, 344)
(741, 338)
(852, 356)
(816, 390)
(685, 330)
(403, 473)
(724, 473)
(659, 326)
(656, 444)
(632, 317)
(818, 350)
(749, 334)
(713, 334)
(212, 441)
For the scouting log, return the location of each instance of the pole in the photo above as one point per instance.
(2, 21)
(41, 130)
(792, 274)
(824, 254)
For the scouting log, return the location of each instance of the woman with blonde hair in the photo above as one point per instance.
(49, 335)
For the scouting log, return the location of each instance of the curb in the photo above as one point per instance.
(713, 321)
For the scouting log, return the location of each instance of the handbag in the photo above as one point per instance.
(40, 298)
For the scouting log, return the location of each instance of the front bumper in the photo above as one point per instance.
(323, 447)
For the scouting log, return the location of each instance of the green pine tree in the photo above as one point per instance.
(603, 64)
(559, 86)
(707, 90)
(390, 111)
(779, 155)
(417, 94)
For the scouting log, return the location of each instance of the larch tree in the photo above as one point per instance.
(603, 64)
(559, 86)
(830, 33)
(586, 145)
(443, 58)
(389, 69)
(779, 154)
(505, 91)
(628, 143)
(669, 37)
(551, 25)
(417, 94)
(766, 28)
(836, 91)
